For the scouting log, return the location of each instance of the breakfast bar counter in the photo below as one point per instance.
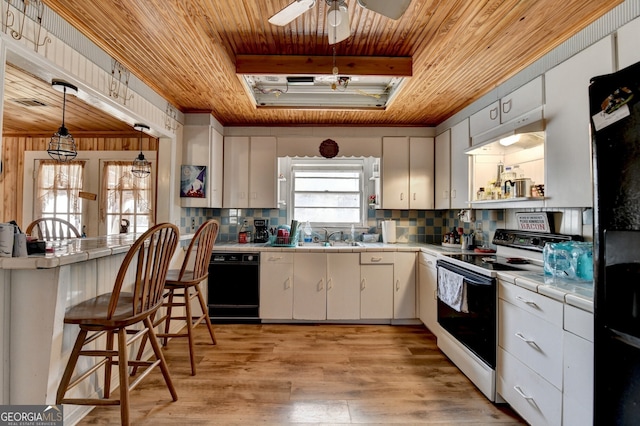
(36, 291)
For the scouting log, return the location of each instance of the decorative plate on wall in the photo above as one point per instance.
(329, 148)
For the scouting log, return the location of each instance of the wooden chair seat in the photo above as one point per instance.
(94, 312)
(114, 314)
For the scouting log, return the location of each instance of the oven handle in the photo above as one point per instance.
(478, 283)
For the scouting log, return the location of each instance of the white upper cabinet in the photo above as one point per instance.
(203, 146)
(628, 36)
(407, 173)
(517, 103)
(250, 172)
(460, 165)
(568, 141)
(443, 170)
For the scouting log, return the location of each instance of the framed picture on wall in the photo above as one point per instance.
(193, 180)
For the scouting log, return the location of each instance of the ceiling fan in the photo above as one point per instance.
(338, 27)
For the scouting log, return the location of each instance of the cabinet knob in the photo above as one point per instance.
(362, 284)
(521, 393)
(528, 302)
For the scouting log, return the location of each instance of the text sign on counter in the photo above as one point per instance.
(538, 222)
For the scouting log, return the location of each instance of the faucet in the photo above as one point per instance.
(327, 235)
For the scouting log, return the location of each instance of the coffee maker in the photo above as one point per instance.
(261, 234)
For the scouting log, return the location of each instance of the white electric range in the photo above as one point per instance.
(470, 320)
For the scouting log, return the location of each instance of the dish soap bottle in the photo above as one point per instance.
(307, 232)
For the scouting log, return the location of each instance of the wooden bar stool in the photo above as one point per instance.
(145, 266)
(184, 284)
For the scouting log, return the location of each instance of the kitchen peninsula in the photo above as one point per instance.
(40, 288)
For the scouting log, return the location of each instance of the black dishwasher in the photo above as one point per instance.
(234, 287)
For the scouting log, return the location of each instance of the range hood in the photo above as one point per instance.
(523, 132)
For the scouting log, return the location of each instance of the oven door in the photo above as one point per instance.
(475, 326)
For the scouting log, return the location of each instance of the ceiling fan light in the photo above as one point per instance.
(334, 16)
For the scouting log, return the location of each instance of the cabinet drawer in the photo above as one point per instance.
(427, 259)
(578, 322)
(541, 306)
(535, 399)
(377, 258)
(535, 342)
(277, 257)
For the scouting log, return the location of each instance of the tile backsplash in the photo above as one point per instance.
(421, 226)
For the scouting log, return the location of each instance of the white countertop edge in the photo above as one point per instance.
(579, 302)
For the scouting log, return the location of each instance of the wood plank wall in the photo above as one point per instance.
(13, 148)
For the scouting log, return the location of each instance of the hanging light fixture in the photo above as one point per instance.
(62, 146)
(141, 167)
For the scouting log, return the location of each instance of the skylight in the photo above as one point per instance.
(325, 91)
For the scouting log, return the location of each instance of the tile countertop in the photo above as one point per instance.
(571, 292)
(339, 247)
(75, 250)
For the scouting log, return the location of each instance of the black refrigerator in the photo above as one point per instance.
(615, 127)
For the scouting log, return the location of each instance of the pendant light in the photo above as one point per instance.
(62, 146)
(141, 167)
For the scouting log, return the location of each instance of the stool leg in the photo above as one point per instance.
(205, 312)
(123, 365)
(163, 363)
(71, 365)
(189, 318)
(108, 365)
(167, 321)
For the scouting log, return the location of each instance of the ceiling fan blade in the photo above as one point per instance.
(391, 9)
(291, 12)
(343, 30)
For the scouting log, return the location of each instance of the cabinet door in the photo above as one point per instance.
(404, 286)
(276, 290)
(395, 173)
(568, 142)
(310, 293)
(522, 100)
(376, 291)
(428, 302)
(460, 165)
(263, 173)
(343, 286)
(485, 119)
(628, 36)
(236, 172)
(443, 170)
(203, 147)
(577, 395)
(421, 173)
(215, 171)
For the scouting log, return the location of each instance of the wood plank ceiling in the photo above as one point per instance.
(461, 49)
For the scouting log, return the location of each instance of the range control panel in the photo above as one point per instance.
(528, 240)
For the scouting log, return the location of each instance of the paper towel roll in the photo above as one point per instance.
(389, 231)
(6, 239)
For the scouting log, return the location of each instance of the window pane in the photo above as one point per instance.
(326, 200)
(129, 202)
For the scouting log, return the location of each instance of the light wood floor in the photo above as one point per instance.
(310, 374)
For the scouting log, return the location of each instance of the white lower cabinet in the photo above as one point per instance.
(530, 354)
(376, 286)
(276, 285)
(318, 286)
(577, 395)
(427, 292)
(404, 288)
(310, 292)
(343, 286)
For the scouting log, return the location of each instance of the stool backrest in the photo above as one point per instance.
(203, 239)
(150, 255)
(52, 228)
